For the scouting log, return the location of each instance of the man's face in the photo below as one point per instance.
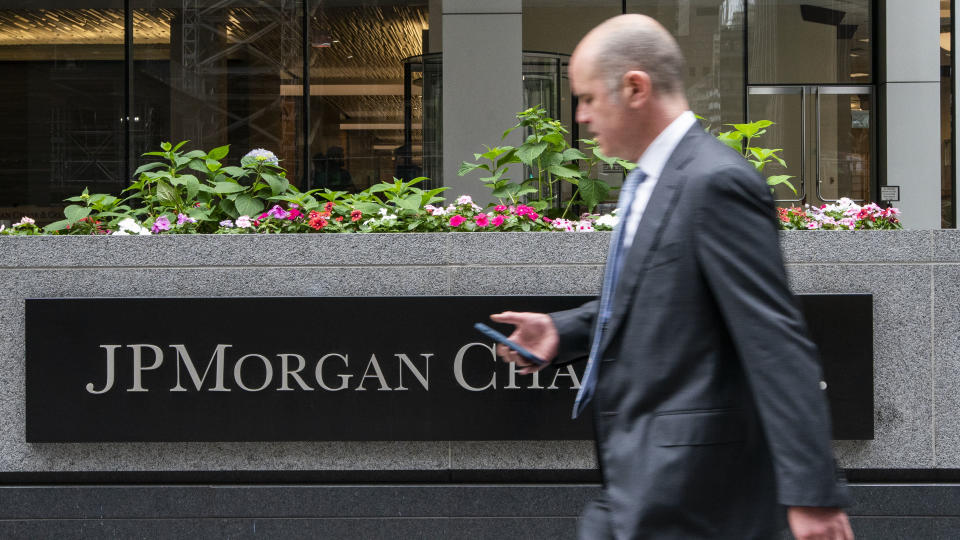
(602, 111)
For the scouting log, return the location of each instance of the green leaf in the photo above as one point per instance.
(165, 146)
(147, 167)
(194, 154)
(236, 172)
(381, 187)
(167, 194)
(219, 152)
(199, 165)
(732, 139)
(75, 213)
(781, 179)
(564, 171)
(277, 184)
(593, 191)
(555, 139)
(410, 203)
(528, 153)
(183, 179)
(466, 168)
(752, 129)
(247, 205)
(57, 225)
(571, 154)
(227, 187)
(228, 208)
(368, 208)
(494, 153)
(179, 144)
(193, 186)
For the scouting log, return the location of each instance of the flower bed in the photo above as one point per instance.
(842, 215)
(192, 192)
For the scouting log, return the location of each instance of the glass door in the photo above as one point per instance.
(827, 138)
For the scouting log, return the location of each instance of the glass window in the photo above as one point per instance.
(218, 73)
(372, 95)
(710, 34)
(947, 194)
(62, 102)
(810, 41)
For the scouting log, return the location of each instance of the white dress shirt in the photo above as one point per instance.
(652, 162)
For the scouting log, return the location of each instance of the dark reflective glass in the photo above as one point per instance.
(217, 73)
(369, 89)
(62, 102)
(710, 34)
(810, 41)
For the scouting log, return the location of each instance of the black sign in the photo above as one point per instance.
(288, 369)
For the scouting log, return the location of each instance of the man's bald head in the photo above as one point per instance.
(633, 43)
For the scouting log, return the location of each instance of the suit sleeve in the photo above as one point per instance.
(737, 246)
(575, 327)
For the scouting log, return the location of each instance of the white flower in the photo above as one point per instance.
(120, 232)
(25, 221)
(584, 226)
(128, 226)
(243, 222)
(464, 199)
(608, 220)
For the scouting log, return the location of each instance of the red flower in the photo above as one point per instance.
(317, 220)
(329, 206)
(339, 218)
(355, 215)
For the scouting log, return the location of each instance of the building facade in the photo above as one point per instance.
(352, 92)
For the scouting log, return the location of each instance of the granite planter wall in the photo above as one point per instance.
(913, 275)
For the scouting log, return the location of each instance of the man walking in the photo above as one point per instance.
(710, 420)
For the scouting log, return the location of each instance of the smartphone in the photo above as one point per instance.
(500, 338)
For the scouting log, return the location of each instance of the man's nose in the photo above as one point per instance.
(582, 116)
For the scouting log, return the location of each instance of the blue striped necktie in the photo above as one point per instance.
(610, 275)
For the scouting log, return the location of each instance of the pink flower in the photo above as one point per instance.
(523, 209)
(498, 221)
(160, 224)
(457, 220)
(294, 213)
(547, 220)
(499, 208)
(482, 220)
(533, 216)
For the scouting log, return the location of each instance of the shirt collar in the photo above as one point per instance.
(655, 157)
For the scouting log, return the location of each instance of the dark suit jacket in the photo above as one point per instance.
(708, 410)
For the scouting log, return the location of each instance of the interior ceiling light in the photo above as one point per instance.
(859, 74)
(945, 41)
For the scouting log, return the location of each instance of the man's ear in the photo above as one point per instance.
(637, 88)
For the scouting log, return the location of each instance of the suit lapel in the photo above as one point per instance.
(647, 237)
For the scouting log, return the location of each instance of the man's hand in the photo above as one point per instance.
(815, 523)
(535, 332)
